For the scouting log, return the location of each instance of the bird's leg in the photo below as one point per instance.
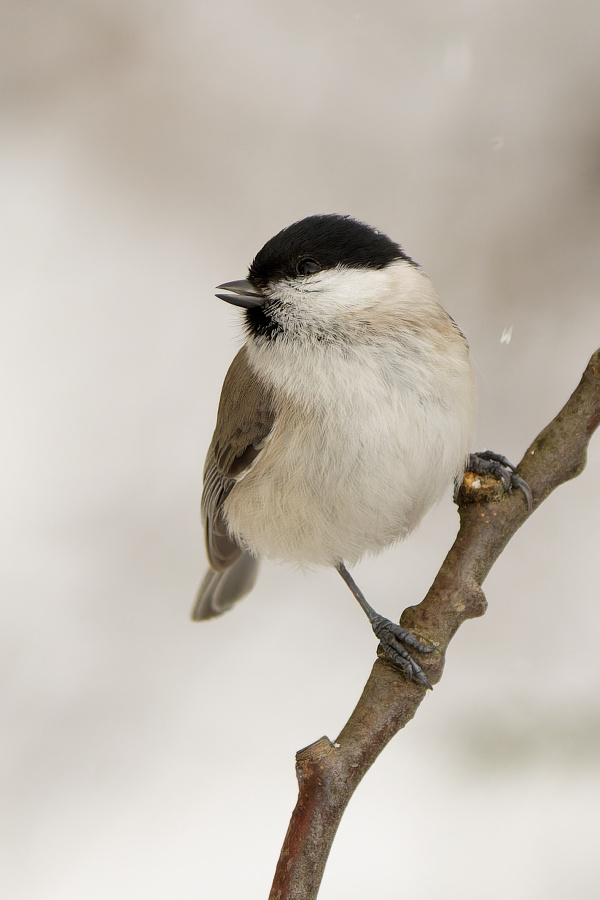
(393, 638)
(489, 463)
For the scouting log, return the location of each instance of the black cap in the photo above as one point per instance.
(330, 240)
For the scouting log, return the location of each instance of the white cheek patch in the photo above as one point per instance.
(344, 289)
(325, 296)
(333, 290)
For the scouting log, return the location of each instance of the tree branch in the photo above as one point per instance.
(328, 773)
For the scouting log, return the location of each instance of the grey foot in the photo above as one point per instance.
(489, 463)
(393, 641)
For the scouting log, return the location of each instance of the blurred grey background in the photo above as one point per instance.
(148, 150)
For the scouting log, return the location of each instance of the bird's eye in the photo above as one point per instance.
(307, 266)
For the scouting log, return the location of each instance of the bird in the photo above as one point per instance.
(347, 413)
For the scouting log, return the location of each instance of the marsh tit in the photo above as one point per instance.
(345, 416)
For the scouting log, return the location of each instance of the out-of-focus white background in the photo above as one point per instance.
(148, 150)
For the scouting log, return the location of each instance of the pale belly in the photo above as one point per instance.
(337, 486)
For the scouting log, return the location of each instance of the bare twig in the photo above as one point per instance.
(328, 773)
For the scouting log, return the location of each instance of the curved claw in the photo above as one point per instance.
(489, 463)
(521, 484)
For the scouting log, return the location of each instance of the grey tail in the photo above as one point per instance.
(219, 591)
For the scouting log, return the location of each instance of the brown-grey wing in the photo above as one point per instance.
(222, 550)
(244, 423)
(232, 571)
(245, 420)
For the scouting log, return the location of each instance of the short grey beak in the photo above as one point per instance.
(240, 293)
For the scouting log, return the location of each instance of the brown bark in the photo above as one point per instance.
(328, 773)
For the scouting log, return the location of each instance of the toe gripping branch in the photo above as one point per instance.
(488, 463)
(393, 639)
